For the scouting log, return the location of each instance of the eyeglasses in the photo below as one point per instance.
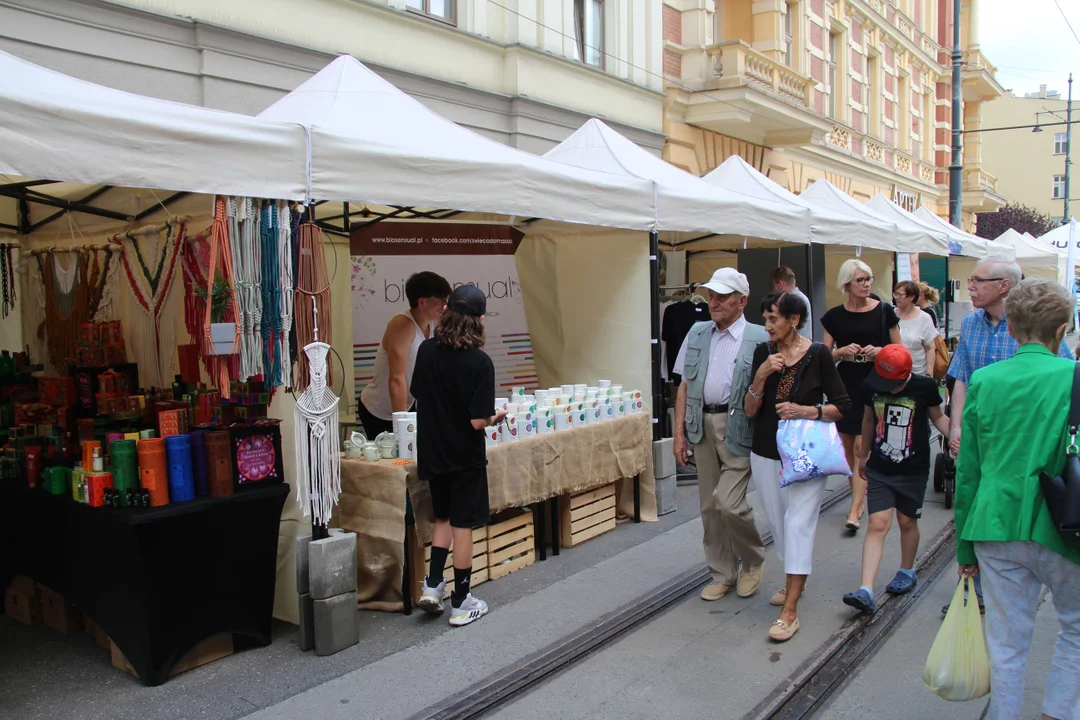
(973, 280)
(864, 280)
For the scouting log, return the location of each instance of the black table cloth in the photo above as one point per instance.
(158, 580)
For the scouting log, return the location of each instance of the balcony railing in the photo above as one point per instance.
(980, 180)
(975, 60)
(873, 150)
(736, 64)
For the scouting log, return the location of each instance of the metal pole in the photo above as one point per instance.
(654, 302)
(1068, 150)
(957, 166)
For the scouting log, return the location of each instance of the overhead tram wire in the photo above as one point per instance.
(638, 67)
(1067, 23)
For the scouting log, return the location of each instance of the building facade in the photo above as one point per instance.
(854, 91)
(524, 72)
(1030, 165)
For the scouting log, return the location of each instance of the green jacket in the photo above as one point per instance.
(1014, 427)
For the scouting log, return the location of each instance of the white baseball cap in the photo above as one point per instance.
(728, 280)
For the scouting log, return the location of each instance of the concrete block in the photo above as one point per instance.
(307, 622)
(332, 565)
(302, 542)
(665, 494)
(663, 457)
(337, 623)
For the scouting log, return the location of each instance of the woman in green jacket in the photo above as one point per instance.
(1014, 428)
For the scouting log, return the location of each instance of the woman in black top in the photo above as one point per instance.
(855, 332)
(791, 378)
(928, 298)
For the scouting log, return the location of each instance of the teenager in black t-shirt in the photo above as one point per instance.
(454, 386)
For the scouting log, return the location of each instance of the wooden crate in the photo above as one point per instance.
(58, 613)
(586, 514)
(511, 543)
(480, 559)
(205, 652)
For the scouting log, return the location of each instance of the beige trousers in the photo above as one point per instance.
(727, 519)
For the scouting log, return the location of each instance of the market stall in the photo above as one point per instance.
(1034, 259)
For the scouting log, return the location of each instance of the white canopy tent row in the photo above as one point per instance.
(1063, 239)
(1034, 258)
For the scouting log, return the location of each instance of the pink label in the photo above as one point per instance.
(256, 458)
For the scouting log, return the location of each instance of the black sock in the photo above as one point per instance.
(438, 563)
(461, 586)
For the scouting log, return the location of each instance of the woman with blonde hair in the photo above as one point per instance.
(928, 300)
(855, 332)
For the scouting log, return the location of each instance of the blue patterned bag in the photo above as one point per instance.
(809, 449)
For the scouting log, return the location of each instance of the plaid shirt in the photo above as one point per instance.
(982, 344)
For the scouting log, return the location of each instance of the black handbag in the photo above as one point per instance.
(1062, 493)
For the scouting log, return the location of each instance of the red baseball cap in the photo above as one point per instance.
(892, 368)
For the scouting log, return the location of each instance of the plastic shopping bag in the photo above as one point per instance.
(958, 667)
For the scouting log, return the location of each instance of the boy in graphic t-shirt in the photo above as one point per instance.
(899, 407)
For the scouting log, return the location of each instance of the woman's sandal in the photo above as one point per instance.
(782, 632)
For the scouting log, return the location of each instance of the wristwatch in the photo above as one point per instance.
(819, 410)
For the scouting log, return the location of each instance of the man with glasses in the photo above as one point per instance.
(984, 340)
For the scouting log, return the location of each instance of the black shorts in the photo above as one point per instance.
(903, 492)
(461, 497)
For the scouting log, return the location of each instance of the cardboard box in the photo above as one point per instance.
(59, 614)
(207, 651)
(94, 630)
(25, 608)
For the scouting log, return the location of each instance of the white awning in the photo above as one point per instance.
(56, 127)
(685, 202)
(1029, 252)
(371, 142)
(826, 227)
(913, 231)
(823, 194)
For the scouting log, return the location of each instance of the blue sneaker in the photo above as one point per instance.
(861, 601)
(901, 584)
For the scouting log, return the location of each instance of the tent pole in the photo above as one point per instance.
(810, 283)
(659, 411)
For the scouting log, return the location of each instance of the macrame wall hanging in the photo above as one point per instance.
(152, 342)
(244, 235)
(70, 296)
(286, 290)
(221, 367)
(318, 459)
(312, 284)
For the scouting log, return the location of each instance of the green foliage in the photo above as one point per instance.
(1021, 218)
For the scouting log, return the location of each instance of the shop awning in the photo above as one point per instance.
(911, 231)
(371, 142)
(823, 194)
(1029, 252)
(57, 127)
(1058, 239)
(826, 227)
(685, 202)
(963, 243)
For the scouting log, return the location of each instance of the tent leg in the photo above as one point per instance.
(658, 408)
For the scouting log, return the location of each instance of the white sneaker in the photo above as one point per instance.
(431, 598)
(471, 610)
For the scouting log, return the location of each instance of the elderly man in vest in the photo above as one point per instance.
(714, 362)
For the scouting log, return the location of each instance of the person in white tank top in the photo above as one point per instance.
(388, 391)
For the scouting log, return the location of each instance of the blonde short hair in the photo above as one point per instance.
(848, 271)
(1036, 308)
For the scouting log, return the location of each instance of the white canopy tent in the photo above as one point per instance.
(58, 127)
(913, 231)
(1064, 239)
(825, 195)
(826, 227)
(371, 142)
(684, 202)
(1036, 260)
(960, 242)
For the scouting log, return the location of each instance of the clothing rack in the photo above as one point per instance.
(688, 286)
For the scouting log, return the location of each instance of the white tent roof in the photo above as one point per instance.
(960, 242)
(1028, 250)
(371, 142)
(1058, 239)
(913, 232)
(826, 227)
(57, 127)
(827, 196)
(685, 202)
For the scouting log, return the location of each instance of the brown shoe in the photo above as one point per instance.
(782, 632)
(779, 598)
(750, 579)
(715, 591)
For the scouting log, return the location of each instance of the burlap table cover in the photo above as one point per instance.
(521, 473)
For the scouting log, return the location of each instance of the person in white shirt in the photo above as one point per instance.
(917, 330)
(783, 280)
(388, 391)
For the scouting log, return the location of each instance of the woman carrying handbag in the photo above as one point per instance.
(791, 378)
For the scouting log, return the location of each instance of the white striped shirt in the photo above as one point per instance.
(723, 353)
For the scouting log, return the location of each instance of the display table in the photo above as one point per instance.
(158, 580)
(522, 473)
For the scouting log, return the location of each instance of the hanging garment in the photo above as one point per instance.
(312, 284)
(66, 303)
(287, 288)
(221, 368)
(152, 342)
(244, 233)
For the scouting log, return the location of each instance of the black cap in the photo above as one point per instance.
(468, 300)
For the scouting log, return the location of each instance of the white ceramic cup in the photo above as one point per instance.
(500, 403)
(512, 408)
(563, 420)
(545, 420)
(579, 397)
(619, 407)
(491, 436)
(511, 432)
(526, 427)
(592, 415)
(607, 411)
(579, 417)
(546, 402)
(616, 391)
(517, 391)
